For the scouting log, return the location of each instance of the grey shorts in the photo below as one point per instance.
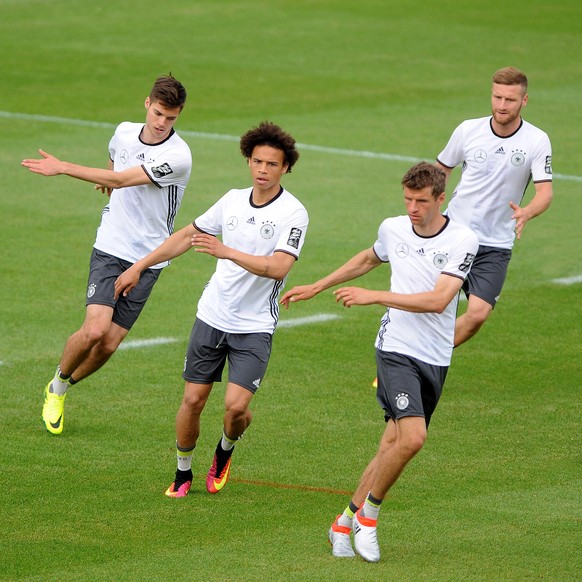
(209, 348)
(407, 386)
(103, 271)
(487, 274)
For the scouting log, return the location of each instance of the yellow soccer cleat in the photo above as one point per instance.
(53, 411)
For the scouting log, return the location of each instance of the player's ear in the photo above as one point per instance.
(285, 168)
(147, 102)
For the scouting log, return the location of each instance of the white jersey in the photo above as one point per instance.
(234, 300)
(140, 218)
(496, 171)
(417, 262)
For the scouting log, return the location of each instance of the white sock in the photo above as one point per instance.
(184, 458)
(227, 443)
(58, 385)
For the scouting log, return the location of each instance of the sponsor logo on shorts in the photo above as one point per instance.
(294, 237)
(161, 171)
(91, 290)
(257, 382)
(402, 401)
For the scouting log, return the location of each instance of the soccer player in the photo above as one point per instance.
(263, 228)
(430, 256)
(500, 154)
(147, 174)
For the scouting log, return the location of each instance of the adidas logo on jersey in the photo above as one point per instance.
(500, 150)
(420, 252)
(251, 220)
(141, 157)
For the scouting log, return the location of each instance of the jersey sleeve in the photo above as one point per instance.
(462, 255)
(173, 168)
(211, 221)
(382, 243)
(541, 168)
(293, 233)
(453, 154)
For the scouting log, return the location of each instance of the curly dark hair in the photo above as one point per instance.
(424, 174)
(272, 135)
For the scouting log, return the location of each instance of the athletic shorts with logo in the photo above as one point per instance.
(408, 386)
(487, 274)
(103, 271)
(209, 349)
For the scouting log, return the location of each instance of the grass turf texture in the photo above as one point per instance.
(495, 494)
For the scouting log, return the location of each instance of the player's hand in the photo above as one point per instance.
(104, 189)
(209, 244)
(520, 217)
(47, 166)
(298, 293)
(354, 296)
(126, 282)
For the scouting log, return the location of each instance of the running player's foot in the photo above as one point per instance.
(53, 410)
(365, 537)
(375, 382)
(181, 485)
(339, 538)
(219, 471)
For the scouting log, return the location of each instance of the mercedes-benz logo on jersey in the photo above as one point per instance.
(440, 260)
(402, 250)
(267, 230)
(91, 290)
(402, 401)
(518, 158)
(480, 156)
(232, 223)
(124, 156)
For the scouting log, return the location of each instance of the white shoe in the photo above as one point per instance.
(365, 538)
(339, 538)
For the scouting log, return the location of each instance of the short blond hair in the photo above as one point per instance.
(511, 76)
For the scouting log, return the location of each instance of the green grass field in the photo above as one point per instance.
(366, 88)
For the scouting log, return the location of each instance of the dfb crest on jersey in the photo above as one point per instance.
(163, 170)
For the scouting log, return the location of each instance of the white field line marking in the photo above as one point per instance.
(226, 137)
(146, 343)
(159, 341)
(318, 318)
(568, 280)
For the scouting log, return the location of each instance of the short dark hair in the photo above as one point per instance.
(510, 76)
(169, 92)
(272, 135)
(424, 174)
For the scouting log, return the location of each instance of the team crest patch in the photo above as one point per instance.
(267, 230)
(440, 260)
(161, 171)
(294, 237)
(402, 401)
(91, 290)
(518, 158)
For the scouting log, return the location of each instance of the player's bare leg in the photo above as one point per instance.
(468, 324)
(101, 352)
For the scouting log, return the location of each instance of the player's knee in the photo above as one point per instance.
(193, 401)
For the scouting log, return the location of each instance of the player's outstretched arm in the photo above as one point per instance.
(172, 247)
(357, 266)
(48, 165)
